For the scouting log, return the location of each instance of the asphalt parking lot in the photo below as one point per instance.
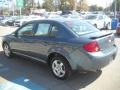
(23, 74)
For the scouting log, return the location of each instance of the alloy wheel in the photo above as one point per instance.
(7, 50)
(58, 68)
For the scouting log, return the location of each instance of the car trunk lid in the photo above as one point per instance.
(105, 40)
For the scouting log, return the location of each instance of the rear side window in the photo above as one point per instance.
(58, 32)
(42, 29)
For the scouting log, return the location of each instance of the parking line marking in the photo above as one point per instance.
(28, 84)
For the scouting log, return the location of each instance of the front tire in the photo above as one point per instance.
(7, 50)
(60, 68)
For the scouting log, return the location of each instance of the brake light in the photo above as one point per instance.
(92, 47)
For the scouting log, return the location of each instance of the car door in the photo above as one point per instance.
(41, 40)
(47, 36)
(23, 41)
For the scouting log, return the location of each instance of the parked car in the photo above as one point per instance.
(65, 45)
(72, 16)
(11, 21)
(21, 21)
(98, 20)
(4, 21)
(54, 17)
(1, 18)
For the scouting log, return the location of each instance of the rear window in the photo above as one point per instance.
(81, 27)
(90, 17)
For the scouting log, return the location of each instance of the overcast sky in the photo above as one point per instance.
(102, 3)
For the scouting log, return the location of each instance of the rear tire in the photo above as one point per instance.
(60, 68)
(7, 50)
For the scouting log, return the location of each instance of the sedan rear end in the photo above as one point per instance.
(101, 50)
(96, 48)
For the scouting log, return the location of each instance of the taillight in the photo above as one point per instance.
(92, 47)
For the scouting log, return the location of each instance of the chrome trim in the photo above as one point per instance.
(30, 57)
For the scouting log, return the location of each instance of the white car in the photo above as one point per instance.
(4, 21)
(54, 16)
(26, 19)
(99, 21)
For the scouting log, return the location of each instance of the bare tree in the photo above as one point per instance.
(82, 5)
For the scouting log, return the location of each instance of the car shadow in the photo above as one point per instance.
(37, 76)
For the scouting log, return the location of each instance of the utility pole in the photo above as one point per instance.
(20, 11)
(115, 8)
(76, 1)
(75, 5)
(13, 7)
(2, 7)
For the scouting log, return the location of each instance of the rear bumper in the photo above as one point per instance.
(97, 61)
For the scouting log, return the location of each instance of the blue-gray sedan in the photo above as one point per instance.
(65, 45)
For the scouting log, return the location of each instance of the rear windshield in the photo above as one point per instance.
(90, 17)
(80, 27)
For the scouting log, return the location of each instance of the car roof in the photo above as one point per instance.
(61, 20)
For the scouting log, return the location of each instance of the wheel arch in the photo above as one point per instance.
(53, 54)
(4, 43)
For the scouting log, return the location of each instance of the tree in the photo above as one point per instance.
(82, 5)
(53, 5)
(95, 8)
(38, 5)
(112, 6)
(48, 5)
(66, 4)
(29, 4)
(72, 4)
(100, 8)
